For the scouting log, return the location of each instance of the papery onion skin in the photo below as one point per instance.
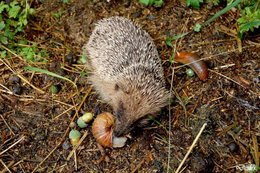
(102, 129)
(194, 62)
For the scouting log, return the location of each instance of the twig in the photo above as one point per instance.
(6, 167)
(169, 124)
(78, 144)
(231, 80)
(75, 160)
(224, 66)
(7, 125)
(22, 138)
(8, 50)
(191, 147)
(64, 112)
(22, 77)
(138, 166)
(57, 146)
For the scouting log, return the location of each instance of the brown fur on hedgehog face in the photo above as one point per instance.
(133, 106)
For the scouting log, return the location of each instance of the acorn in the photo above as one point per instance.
(83, 120)
(74, 136)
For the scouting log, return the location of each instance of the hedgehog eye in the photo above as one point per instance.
(116, 87)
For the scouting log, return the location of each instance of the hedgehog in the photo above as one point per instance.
(126, 71)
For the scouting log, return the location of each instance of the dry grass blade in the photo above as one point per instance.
(21, 76)
(50, 73)
(256, 150)
(6, 167)
(191, 147)
(7, 125)
(22, 138)
(75, 148)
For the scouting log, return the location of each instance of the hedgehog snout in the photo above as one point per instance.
(118, 131)
(121, 128)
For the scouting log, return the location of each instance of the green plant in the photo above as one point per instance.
(58, 14)
(156, 3)
(30, 52)
(250, 17)
(13, 18)
(66, 1)
(249, 10)
(194, 3)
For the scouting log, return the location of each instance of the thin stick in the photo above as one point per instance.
(191, 147)
(22, 138)
(170, 120)
(47, 156)
(231, 80)
(7, 125)
(8, 50)
(64, 112)
(78, 144)
(6, 167)
(75, 160)
(22, 77)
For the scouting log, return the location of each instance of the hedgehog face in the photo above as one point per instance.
(124, 121)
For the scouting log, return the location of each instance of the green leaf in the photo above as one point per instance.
(3, 39)
(158, 3)
(171, 59)
(249, 20)
(14, 10)
(49, 73)
(223, 11)
(144, 2)
(3, 6)
(82, 59)
(3, 54)
(169, 40)
(249, 26)
(194, 3)
(197, 27)
(66, 1)
(2, 25)
(31, 11)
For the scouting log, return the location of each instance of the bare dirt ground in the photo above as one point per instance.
(34, 125)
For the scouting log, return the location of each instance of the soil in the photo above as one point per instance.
(34, 125)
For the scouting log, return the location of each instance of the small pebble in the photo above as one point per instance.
(72, 125)
(17, 89)
(69, 58)
(233, 147)
(55, 89)
(180, 73)
(127, 3)
(190, 72)
(151, 17)
(14, 79)
(66, 145)
(137, 14)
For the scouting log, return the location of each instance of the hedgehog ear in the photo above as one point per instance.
(116, 87)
